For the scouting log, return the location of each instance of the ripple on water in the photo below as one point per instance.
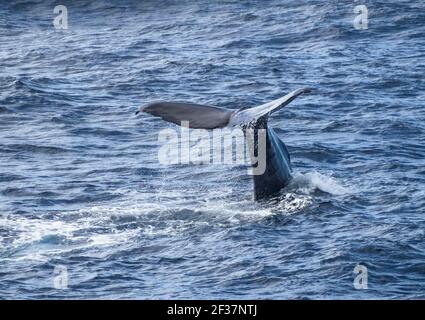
(80, 182)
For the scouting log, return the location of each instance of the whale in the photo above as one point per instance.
(277, 172)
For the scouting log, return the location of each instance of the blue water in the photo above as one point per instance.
(80, 182)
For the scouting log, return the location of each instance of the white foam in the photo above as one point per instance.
(33, 230)
(104, 226)
(291, 203)
(311, 181)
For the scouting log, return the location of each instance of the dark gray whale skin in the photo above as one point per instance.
(278, 169)
(277, 173)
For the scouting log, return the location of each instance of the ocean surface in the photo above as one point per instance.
(88, 211)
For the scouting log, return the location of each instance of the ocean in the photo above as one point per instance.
(88, 212)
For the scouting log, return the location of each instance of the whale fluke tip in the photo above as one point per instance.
(140, 110)
(305, 90)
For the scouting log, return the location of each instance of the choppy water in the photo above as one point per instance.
(80, 182)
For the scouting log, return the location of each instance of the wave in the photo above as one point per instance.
(4, 110)
(33, 149)
(311, 181)
(139, 215)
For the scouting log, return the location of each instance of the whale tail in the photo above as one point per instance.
(196, 115)
(277, 169)
(249, 115)
(209, 117)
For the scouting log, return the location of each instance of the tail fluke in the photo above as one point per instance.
(198, 116)
(208, 117)
(252, 114)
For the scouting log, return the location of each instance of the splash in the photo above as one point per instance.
(142, 216)
(312, 181)
(290, 203)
